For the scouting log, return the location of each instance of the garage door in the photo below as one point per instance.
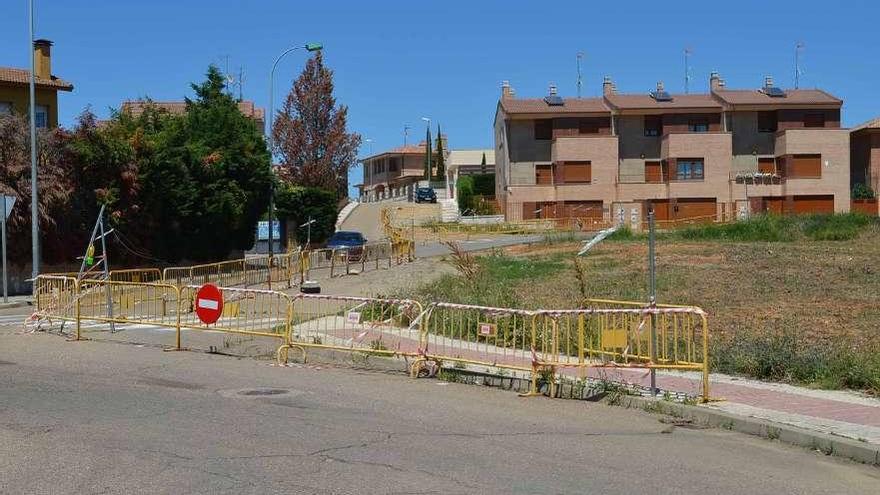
(695, 209)
(814, 204)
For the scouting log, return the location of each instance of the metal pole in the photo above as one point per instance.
(652, 289)
(3, 233)
(106, 262)
(35, 216)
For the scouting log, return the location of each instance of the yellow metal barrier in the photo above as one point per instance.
(620, 337)
(154, 304)
(55, 298)
(136, 275)
(256, 312)
(498, 337)
(359, 324)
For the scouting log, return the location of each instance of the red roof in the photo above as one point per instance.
(538, 105)
(792, 97)
(645, 101)
(136, 107)
(18, 77)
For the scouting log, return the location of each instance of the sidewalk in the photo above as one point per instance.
(841, 413)
(16, 302)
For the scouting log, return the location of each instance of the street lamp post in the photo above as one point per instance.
(312, 47)
(35, 215)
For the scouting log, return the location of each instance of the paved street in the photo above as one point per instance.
(97, 417)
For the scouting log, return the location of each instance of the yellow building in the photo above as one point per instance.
(15, 87)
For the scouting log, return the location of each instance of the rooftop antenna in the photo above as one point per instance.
(580, 55)
(798, 48)
(405, 133)
(687, 69)
(230, 79)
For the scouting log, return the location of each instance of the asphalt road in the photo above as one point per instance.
(97, 417)
(476, 244)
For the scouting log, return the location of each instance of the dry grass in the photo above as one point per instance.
(808, 303)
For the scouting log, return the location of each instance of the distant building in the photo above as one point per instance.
(467, 162)
(717, 155)
(15, 88)
(865, 154)
(391, 173)
(136, 107)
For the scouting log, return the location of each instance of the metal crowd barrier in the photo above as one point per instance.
(607, 334)
(356, 324)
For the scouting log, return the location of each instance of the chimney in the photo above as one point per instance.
(506, 90)
(660, 87)
(715, 81)
(608, 86)
(43, 59)
(768, 81)
(552, 89)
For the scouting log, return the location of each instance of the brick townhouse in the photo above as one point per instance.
(718, 155)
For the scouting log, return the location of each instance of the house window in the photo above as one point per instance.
(544, 129)
(577, 172)
(653, 172)
(689, 169)
(767, 122)
(698, 126)
(393, 165)
(804, 167)
(544, 175)
(41, 117)
(653, 125)
(814, 120)
(5, 108)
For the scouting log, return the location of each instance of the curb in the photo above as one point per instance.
(827, 444)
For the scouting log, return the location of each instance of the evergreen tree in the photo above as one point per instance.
(428, 154)
(441, 159)
(310, 133)
(483, 164)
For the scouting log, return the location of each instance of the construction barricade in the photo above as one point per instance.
(55, 299)
(355, 324)
(119, 305)
(621, 340)
(467, 334)
(137, 275)
(245, 312)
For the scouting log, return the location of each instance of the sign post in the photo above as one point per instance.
(8, 203)
(209, 303)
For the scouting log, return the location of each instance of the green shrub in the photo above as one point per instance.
(776, 228)
(862, 191)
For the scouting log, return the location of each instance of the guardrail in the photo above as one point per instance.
(622, 335)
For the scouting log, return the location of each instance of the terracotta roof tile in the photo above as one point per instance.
(11, 75)
(792, 97)
(645, 101)
(538, 105)
(871, 124)
(136, 107)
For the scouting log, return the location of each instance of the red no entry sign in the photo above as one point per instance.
(209, 303)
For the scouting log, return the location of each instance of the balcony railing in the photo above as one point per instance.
(757, 178)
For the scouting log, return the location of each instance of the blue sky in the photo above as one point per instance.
(395, 62)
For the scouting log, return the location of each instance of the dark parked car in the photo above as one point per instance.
(353, 241)
(425, 194)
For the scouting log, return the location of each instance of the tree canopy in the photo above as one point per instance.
(188, 186)
(310, 135)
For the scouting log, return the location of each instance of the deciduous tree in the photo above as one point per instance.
(310, 134)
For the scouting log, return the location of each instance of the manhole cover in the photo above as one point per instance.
(263, 391)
